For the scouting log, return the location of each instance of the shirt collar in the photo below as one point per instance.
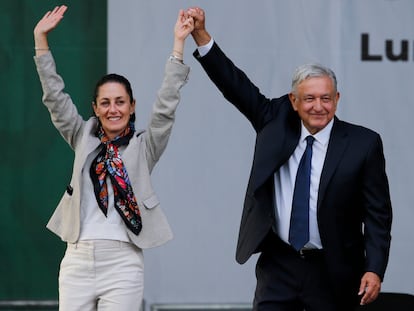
(322, 136)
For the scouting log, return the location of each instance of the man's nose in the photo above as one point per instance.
(317, 104)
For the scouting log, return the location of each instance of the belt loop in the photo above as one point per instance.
(72, 245)
(123, 244)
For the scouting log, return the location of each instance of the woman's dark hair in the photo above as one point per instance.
(113, 77)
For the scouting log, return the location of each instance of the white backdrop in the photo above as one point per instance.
(202, 176)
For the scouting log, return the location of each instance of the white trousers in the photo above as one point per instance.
(101, 275)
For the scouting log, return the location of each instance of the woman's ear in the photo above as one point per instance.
(132, 106)
(94, 109)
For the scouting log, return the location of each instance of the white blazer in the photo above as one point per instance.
(139, 157)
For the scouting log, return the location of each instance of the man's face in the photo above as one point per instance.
(315, 101)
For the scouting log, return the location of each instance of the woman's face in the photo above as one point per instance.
(113, 107)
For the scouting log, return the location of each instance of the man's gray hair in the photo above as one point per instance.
(310, 71)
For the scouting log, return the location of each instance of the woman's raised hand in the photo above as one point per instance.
(48, 22)
(184, 25)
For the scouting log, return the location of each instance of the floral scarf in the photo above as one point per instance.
(108, 162)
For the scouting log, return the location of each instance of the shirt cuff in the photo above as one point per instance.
(204, 49)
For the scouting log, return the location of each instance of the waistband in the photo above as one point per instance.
(311, 253)
(100, 244)
(275, 245)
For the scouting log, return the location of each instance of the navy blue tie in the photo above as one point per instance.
(299, 219)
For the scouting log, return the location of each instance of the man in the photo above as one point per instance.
(342, 253)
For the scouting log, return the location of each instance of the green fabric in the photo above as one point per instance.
(35, 162)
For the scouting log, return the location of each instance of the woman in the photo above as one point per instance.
(109, 212)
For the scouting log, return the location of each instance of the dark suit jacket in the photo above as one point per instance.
(353, 210)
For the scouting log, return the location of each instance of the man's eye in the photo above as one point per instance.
(309, 99)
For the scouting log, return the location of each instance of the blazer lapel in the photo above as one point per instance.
(92, 142)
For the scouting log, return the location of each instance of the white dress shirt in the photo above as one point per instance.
(285, 182)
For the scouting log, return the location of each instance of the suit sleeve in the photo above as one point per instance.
(235, 86)
(378, 211)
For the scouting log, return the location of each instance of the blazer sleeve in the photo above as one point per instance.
(163, 112)
(63, 112)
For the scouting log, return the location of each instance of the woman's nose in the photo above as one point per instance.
(112, 107)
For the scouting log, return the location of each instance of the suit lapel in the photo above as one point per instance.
(274, 145)
(338, 143)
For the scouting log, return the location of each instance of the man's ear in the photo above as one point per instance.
(293, 101)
